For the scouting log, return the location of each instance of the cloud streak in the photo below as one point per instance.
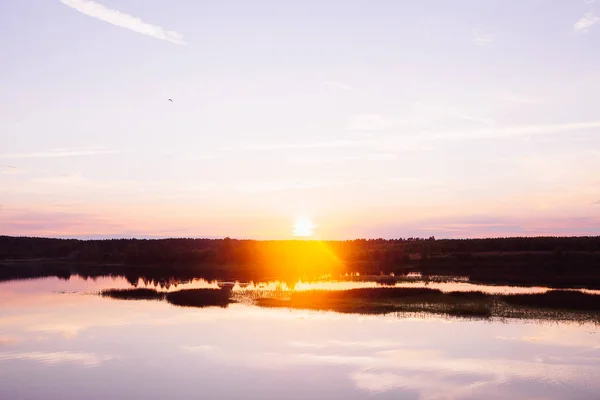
(293, 146)
(517, 131)
(9, 170)
(338, 85)
(114, 17)
(58, 358)
(369, 122)
(481, 39)
(586, 22)
(523, 99)
(53, 153)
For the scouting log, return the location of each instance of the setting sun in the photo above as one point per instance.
(303, 227)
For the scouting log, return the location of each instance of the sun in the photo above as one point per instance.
(303, 227)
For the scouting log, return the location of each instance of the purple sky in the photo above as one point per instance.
(370, 118)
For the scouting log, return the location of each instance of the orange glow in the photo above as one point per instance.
(295, 259)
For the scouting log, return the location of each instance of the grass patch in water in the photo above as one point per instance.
(556, 299)
(199, 297)
(133, 294)
(186, 297)
(463, 304)
(386, 300)
(552, 305)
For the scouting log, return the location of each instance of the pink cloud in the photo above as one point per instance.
(161, 222)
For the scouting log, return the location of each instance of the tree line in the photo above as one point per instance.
(240, 251)
(558, 261)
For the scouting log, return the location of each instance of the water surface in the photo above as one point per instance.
(59, 340)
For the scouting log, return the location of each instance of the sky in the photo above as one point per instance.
(369, 118)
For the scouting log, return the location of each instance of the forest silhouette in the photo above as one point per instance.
(559, 262)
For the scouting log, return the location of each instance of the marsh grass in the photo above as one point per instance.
(550, 305)
(556, 299)
(186, 298)
(200, 297)
(387, 300)
(133, 294)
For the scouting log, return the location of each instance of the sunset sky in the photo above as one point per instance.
(371, 118)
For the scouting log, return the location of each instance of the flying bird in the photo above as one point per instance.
(171, 100)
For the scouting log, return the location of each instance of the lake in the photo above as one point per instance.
(60, 340)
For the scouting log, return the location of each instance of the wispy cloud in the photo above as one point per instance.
(417, 116)
(204, 348)
(53, 153)
(586, 22)
(9, 170)
(516, 131)
(114, 17)
(502, 226)
(481, 39)
(253, 186)
(338, 85)
(5, 340)
(131, 186)
(524, 99)
(332, 159)
(293, 146)
(59, 357)
(369, 122)
(597, 202)
(70, 179)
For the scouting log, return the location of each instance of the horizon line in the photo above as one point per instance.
(157, 237)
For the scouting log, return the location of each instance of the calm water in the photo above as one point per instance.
(58, 340)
